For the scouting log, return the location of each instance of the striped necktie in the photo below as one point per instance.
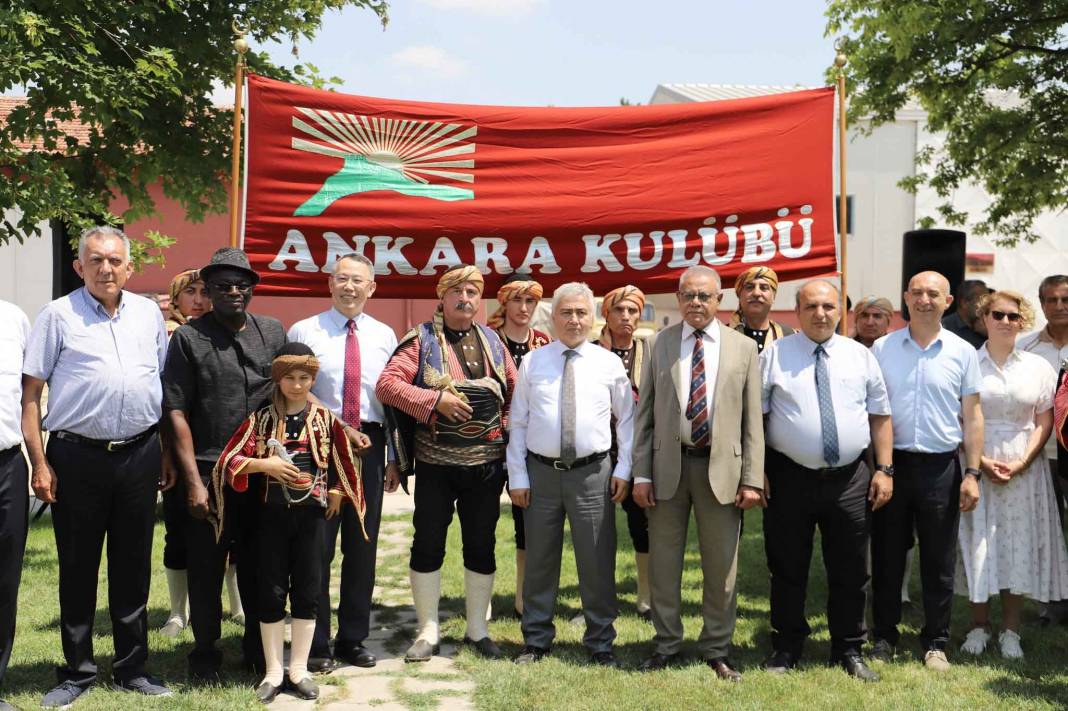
(696, 407)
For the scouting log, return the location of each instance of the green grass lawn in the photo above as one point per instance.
(564, 681)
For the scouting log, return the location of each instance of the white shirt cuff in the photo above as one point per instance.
(642, 480)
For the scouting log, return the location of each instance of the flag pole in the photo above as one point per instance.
(240, 29)
(840, 62)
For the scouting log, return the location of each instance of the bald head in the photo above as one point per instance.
(928, 278)
(818, 309)
(927, 298)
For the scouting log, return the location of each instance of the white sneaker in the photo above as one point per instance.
(1010, 645)
(975, 642)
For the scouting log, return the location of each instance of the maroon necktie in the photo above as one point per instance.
(350, 389)
(696, 408)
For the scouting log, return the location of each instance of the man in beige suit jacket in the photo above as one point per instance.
(699, 442)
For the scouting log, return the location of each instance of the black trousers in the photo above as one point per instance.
(927, 496)
(206, 567)
(802, 499)
(101, 494)
(472, 492)
(175, 521)
(291, 560)
(358, 557)
(14, 504)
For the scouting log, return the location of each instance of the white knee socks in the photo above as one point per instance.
(273, 634)
(426, 593)
(300, 646)
(478, 592)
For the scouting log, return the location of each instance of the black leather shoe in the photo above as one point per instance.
(781, 662)
(305, 689)
(531, 654)
(881, 651)
(723, 669)
(485, 647)
(604, 659)
(321, 665)
(266, 692)
(854, 666)
(659, 661)
(358, 656)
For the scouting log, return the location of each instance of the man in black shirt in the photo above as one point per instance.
(965, 319)
(218, 371)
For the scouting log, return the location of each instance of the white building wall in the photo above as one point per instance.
(26, 270)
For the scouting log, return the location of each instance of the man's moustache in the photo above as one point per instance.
(463, 306)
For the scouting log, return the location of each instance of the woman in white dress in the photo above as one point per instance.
(1011, 544)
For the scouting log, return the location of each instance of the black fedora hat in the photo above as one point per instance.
(229, 258)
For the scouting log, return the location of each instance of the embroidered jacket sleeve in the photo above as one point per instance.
(347, 468)
(395, 387)
(510, 375)
(235, 455)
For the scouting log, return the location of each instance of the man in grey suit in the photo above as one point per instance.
(699, 443)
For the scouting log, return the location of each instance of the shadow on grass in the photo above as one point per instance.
(1023, 691)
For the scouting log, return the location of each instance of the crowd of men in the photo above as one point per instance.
(877, 439)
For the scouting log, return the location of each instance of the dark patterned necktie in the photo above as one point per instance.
(350, 386)
(696, 406)
(827, 422)
(567, 409)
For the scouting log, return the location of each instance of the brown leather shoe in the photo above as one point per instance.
(723, 669)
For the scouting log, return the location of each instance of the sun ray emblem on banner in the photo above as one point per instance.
(401, 155)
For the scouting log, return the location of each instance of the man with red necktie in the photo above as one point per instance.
(699, 444)
(352, 349)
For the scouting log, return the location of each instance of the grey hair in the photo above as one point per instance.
(700, 270)
(573, 288)
(102, 231)
(797, 294)
(355, 257)
(1051, 282)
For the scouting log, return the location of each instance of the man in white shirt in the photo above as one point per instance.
(558, 466)
(699, 446)
(824, 403)
(14, 474)
(352, 348)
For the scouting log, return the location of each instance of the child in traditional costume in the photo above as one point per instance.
(309, 470)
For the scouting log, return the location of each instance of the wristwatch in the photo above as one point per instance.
(972, 471)
(887, 469)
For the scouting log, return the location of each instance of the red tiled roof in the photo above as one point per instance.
(75, 128)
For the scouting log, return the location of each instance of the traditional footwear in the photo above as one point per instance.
(659, 661)
(178, 619)
(781, 662)
(485, 647)
(935, 660)
(302, 631)
(305, 689)
(881, 651)
(62, 696)
(855, 667)
(723, 669)
(172, 627)
(531, 654)
(1010, 645)
(604, 659)
(421, 651)
(273, 637)
(266, 692)
(478, 593)
(975, 641)
(357, 656)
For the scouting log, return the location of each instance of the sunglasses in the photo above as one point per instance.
(1001, 316)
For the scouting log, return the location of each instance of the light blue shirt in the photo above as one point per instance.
(14, 331)
(926, 386)
(103, 371)
(791, 403)
(326, 335)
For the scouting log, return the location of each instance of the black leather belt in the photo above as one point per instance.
(561, 466)
(111, 445)
(697, 451)
(364, 426)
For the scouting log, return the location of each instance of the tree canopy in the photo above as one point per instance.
(138, 76)
(991, 75)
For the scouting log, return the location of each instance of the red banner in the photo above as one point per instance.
(608, 196)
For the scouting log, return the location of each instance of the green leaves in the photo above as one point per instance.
(138, 77)
(990, 75)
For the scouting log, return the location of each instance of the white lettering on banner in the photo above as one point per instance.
(634, 257)
(760, 242)
(679, 260)
(442, 255)
(539, 253)
(598, 249)
(389, 255)
(491, 250)
(295, 248)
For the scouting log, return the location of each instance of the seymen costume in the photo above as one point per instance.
(775, 331)
(459, 466)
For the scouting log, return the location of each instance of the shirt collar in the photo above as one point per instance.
(907, 332)
(810, 345)
(580, 348)
(711, 330)
(98, 307)
(341, 320)
(984, 354)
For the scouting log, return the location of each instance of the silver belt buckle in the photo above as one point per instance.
(113, 443)
(559, 465)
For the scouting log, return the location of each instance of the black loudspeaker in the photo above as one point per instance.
(939, 251)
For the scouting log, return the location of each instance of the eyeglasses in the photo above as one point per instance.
(355, 281)
(243, 287)
(1001, 316)
(702, 296)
